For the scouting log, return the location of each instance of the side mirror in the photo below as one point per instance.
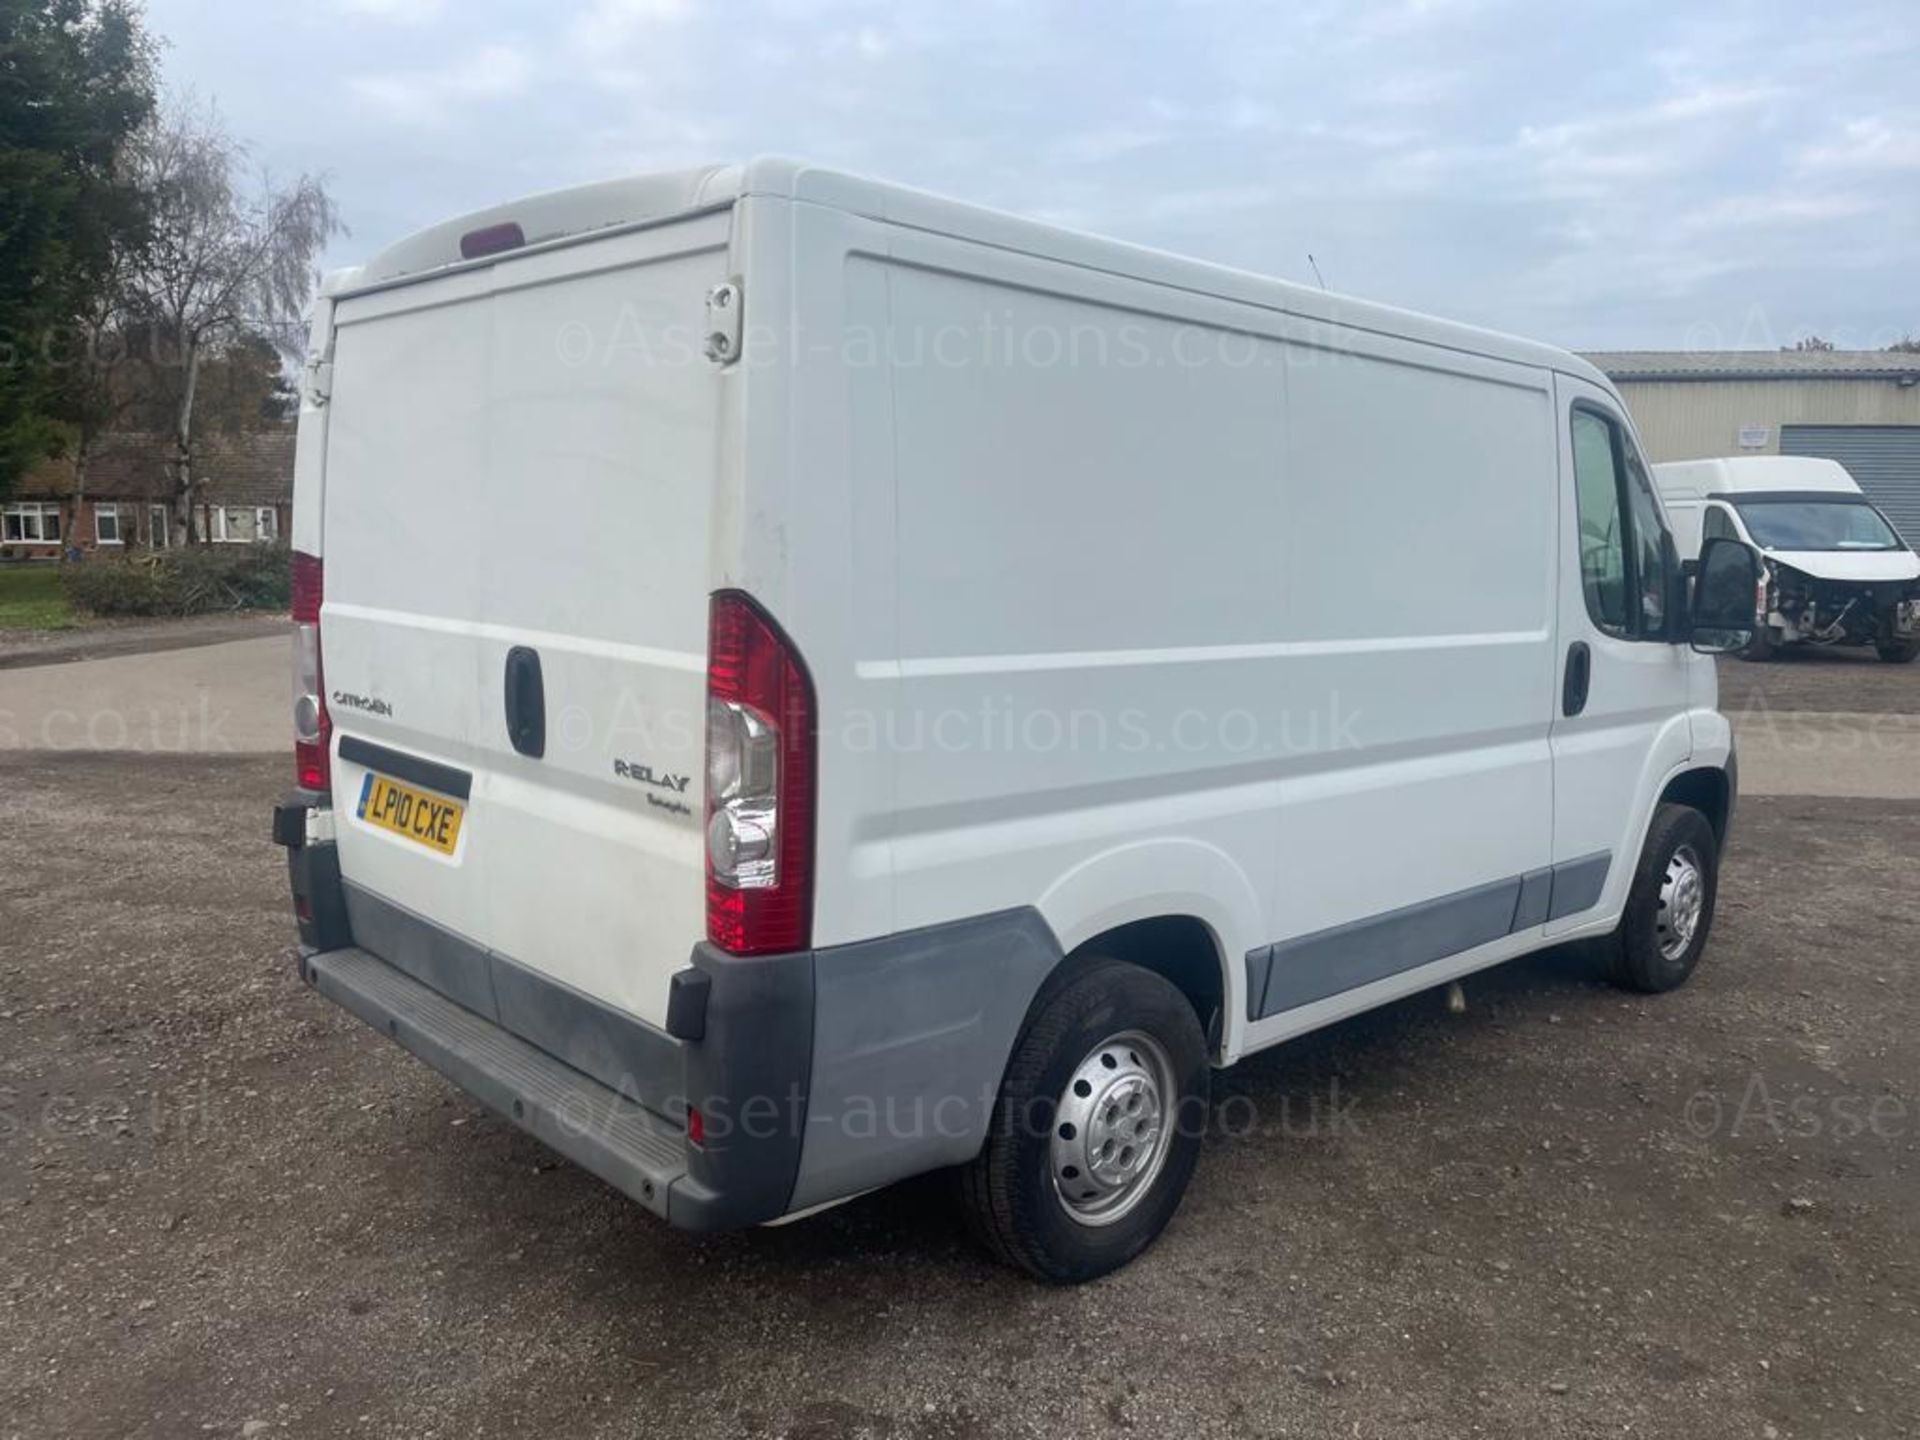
(1725, 598)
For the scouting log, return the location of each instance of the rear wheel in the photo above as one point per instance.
(1097, 1127)
(1670, 906)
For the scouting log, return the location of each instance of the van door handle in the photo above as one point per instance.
(526, 702)
(1579, 677)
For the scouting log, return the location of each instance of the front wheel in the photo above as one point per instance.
(1762, 646)
(1097, 1127)
(1896, 650)
(1670, 906)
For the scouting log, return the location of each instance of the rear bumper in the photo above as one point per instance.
(817, 1075)
(621, 1141)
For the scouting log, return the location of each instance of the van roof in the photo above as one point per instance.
(1752, 475)
(560, 216)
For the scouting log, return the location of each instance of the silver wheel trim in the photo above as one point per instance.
(1683, 896)
(1113, 1127)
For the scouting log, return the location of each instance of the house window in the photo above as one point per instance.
(241, 524)
(31, 523)
(106, 524)
(157, 532)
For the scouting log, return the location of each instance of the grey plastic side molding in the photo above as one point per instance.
(1313, 967)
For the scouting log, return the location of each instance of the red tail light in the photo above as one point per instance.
(760, 783)
(312, 727)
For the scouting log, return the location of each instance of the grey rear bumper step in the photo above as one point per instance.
(611, 1135)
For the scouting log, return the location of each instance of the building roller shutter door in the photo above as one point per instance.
(1885, 459)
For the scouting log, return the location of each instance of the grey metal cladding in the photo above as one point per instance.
(1883, 459)
(1363, 951)
(911, 1035)
(1577, 884)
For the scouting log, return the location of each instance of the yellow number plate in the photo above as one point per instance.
(420, 815)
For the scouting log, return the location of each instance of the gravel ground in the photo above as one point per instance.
(101, 638)
(1806, 679)
(232, 1210)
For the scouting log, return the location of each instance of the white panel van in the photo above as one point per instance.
(801, 683)
(1836, 572)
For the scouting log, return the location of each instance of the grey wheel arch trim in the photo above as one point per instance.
(912, 1035)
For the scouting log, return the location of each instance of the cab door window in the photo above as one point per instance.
(1603, 529)
(1654, 583)
(1624, 555)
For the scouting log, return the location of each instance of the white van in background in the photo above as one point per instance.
(1836, 571)
(800, 683)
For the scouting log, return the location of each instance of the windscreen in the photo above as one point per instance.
(1817, 525)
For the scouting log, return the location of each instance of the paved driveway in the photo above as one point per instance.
(227, 699)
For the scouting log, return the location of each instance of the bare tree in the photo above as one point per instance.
(226, 255)
(97, 392)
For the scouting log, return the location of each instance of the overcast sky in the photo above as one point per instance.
(1656, 173)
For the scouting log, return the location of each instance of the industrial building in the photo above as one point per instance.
(1860, 407)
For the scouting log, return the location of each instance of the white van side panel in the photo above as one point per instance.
(1420, 566)
(1162, 632)
(808, 529)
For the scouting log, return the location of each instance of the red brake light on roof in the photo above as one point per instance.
(312, 726)
(760, 783)
(492, 240)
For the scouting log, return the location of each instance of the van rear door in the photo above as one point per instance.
(519, 478)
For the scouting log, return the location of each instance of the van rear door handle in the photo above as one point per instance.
(1579, 677)
(526, 702)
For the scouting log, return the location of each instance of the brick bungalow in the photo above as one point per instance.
(244, 492)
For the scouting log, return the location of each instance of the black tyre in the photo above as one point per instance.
(1097, 1126)
(1762, 646)
(1670, 907)
(1897, 652)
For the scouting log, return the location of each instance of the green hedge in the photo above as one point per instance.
(192, 580)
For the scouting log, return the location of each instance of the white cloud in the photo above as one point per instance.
(1640, 143)
(610, 24)
(1094, 147)
(1871, 143)
(434, 96)
(1618, 172)
(1404, 18)
(399, 12)
(1768, 212)
(865, 43)
(1207, 203)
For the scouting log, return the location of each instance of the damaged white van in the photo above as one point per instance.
(1836, 571)
(801, 683)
